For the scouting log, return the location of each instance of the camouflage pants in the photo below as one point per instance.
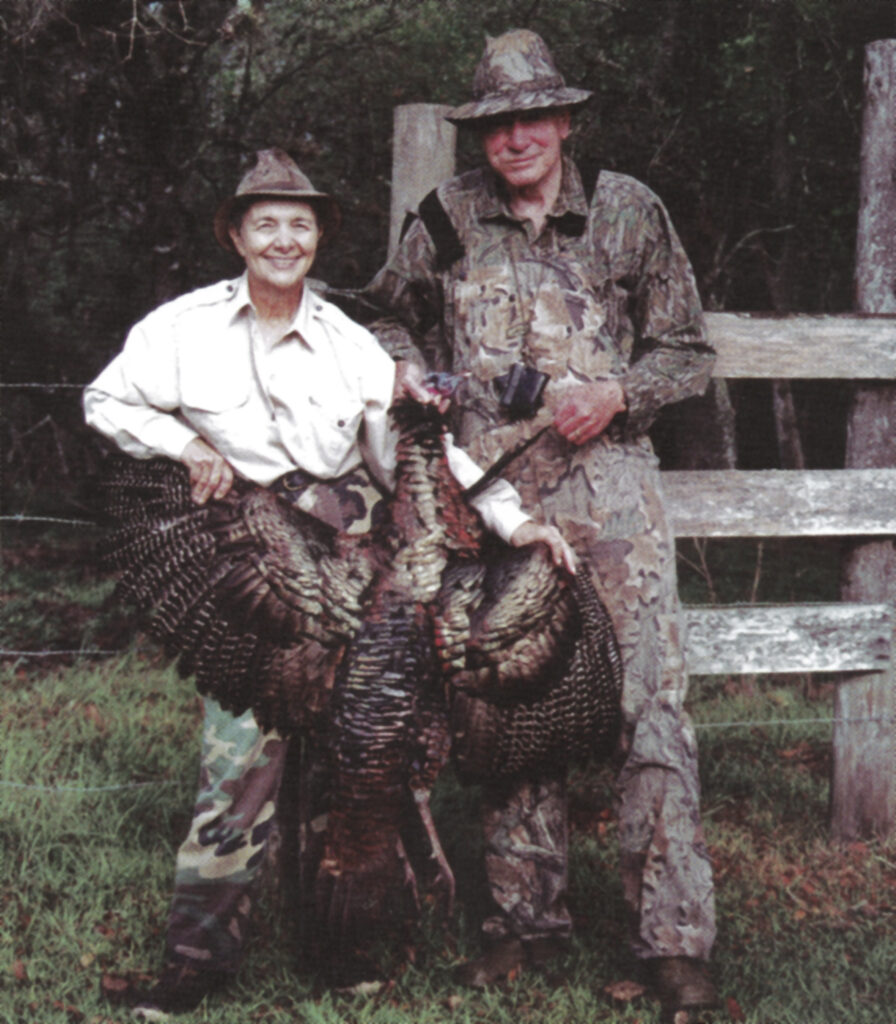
(218, 862)
(605, 498)
(240, 775)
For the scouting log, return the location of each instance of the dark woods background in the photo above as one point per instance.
(123, 122)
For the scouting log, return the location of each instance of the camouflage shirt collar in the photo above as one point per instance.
(569, 213)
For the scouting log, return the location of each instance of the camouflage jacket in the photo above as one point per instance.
(603, 290)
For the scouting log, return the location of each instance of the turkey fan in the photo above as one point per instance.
(421, 640)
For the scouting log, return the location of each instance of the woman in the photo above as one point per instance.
(259, 378)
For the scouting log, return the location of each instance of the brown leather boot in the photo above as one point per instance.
(682, 984)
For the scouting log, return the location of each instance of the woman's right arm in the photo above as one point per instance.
(134, 400)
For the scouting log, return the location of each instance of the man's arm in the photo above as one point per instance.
(404, 302)
(671, 357)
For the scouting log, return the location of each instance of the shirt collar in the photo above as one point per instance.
(569, 213)
(303, 324)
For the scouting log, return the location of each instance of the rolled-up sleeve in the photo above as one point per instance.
(499, 504)
(133, 402)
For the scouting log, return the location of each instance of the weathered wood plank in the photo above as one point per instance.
(851, 347)
(781, 503)
(864, 784)
(738, 639)
(863, 787)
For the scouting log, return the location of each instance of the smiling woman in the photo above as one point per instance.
(262, 379)
(278, 240)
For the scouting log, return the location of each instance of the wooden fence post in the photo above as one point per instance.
(863, 795)
(422, 156)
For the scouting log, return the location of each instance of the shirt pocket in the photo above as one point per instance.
(334, 425)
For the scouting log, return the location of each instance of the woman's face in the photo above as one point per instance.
(278, 239)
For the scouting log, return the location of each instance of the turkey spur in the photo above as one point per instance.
(421, 641)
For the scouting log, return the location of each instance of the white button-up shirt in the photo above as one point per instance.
(317, 399)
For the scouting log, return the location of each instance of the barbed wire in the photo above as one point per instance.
(40, 385)
(21, 517)
(751, 723)
(70, 788)
(84, 652)
(159, 783)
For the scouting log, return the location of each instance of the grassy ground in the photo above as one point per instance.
(807, 931)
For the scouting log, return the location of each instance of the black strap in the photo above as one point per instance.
(449, 247)
(589, 171)
(500, 464)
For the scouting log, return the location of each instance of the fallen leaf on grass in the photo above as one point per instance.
(93, 715)
(19, 970)
(624, 991)
(115, 988)
(734, 1010)
(72, 1012)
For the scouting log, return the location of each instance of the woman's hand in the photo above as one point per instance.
(410, 382)
(536, 533)
(211, 475)
(586, 410)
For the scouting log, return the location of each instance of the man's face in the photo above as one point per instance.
(525, 147)
(278, 239)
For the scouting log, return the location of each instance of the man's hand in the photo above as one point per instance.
(536, 533)
(211, 475)
(587, 409)
(410, 383)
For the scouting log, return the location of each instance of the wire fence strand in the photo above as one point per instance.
(39, 385)
(21, 517)
(72, 788)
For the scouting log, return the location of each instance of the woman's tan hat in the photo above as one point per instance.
(276, 176)
(516, 72)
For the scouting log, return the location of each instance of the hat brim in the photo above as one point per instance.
(509, 102)
(329, 212)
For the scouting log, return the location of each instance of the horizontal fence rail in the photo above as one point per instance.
(752, 639)
(802, 347)
(781, 502)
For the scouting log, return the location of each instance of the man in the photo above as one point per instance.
(260, 378)
(519, 269)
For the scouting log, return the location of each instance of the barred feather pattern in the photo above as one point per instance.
(256, 598)
(401, 647)
(576, 717)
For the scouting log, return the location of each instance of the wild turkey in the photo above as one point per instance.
(422, 639)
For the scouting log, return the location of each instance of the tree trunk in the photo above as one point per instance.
(863, 798)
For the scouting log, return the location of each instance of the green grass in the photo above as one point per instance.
(807, 931)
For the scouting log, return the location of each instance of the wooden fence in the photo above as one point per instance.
(851, 639)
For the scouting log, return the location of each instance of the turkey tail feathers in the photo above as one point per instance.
(578, 716)
(234, 586)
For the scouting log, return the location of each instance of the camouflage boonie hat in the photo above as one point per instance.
(276, 176)
(516, 72)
